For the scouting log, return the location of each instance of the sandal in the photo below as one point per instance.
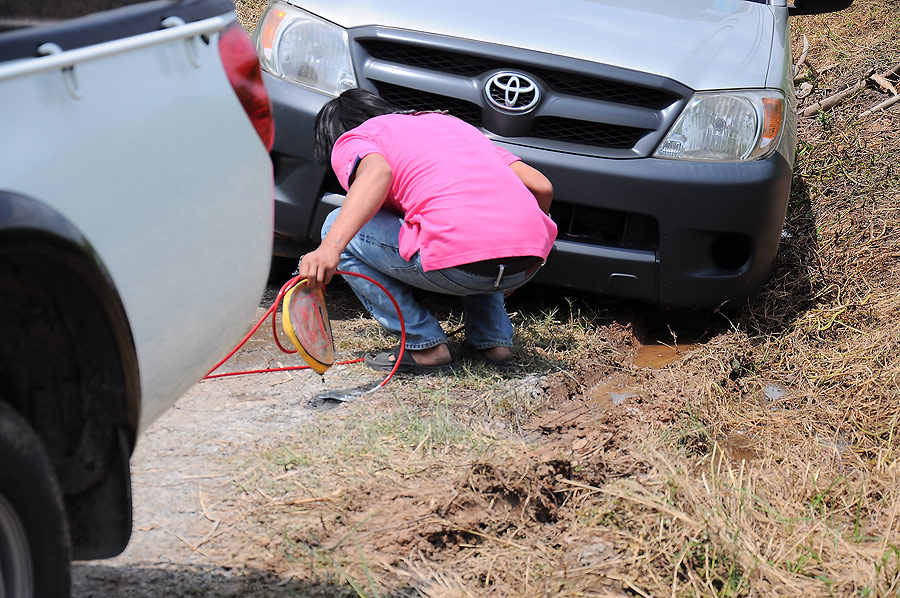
(500, 364)
(384, 362)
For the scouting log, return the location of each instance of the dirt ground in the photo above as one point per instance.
(755, 456)
(199, 472)
(186, 466)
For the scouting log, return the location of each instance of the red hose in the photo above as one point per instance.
(273, 309)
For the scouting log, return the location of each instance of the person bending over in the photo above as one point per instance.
(431, 203)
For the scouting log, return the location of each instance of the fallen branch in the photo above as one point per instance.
(882, 81)
(837, 98)
(885, 104)
(892, 71)
(813, 73)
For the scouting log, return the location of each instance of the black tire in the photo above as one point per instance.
(281, 269)
(34, 536)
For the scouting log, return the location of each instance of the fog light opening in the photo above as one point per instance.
(731, 252)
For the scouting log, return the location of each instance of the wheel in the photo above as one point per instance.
(34, 537)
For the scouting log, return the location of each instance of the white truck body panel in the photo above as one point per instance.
(187, 300)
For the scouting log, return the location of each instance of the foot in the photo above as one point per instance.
(498, 355)
(439, 355)
(432, 361)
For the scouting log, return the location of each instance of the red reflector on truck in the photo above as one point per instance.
(245, 75)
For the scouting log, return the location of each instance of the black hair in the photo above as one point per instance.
(347, 111)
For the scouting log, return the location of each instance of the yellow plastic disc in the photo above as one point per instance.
(305, 321)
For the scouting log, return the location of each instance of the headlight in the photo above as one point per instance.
(304, 49)
(726, 126)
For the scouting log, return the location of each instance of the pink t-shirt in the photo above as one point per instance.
(460, 200)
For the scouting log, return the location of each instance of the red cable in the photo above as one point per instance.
(273, 309)
(285, 369)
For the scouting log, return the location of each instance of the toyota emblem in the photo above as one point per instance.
(512, 92)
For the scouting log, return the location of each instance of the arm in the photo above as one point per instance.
(536, 182)
(367, 192)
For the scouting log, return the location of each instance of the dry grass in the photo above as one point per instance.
(248, 12)
(817, 512)
(483, 486)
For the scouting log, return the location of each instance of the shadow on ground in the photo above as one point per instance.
(96, 581)
(791, 289)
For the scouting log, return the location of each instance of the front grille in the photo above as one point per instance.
(552, 128)
(604, 90)
(599, 226)
(586, 133)
(454, 63)
(585, 108)
(405, 98)
(470, 65)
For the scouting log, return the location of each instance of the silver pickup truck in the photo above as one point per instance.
(666, 127)
(135, 240)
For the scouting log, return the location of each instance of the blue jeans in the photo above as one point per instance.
(375, 252)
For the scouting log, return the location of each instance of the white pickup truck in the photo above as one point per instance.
(135, 240)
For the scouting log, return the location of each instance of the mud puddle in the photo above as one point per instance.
(736, 447)
(612, 391)
(657, 355)
(653, 352)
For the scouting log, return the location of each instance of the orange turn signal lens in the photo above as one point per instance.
(270, 26)
(774, 118)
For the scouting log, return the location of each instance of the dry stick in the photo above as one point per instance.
(203, 507)
(800, 62)
(885, 84)
(885, 104)
(835, 99)
(207, 537)
(813, 72)
(306, 501)
(892, 71)
(805, 89)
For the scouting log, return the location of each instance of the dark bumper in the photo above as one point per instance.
(718, 224)
(299, 179)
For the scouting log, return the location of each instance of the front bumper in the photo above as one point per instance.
(718, 226)
(707, 233)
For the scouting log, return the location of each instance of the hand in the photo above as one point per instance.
(318, 267)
